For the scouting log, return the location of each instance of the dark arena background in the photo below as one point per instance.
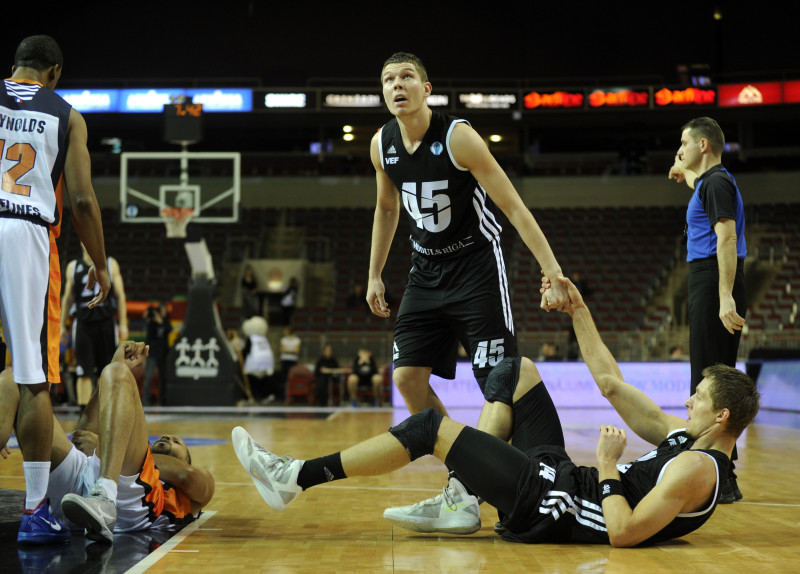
(231, 136)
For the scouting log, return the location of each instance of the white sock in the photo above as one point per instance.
(37, 477)
(109, 486)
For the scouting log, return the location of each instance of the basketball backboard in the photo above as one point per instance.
(207, 182)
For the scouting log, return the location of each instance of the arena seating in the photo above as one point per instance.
(623, 253)
(780, 245)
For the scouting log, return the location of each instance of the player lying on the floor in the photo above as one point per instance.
(540, 494)
(111, 479)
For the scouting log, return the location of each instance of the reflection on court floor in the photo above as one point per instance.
(339, 527)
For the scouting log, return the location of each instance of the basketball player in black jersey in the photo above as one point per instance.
(541, 494)
(96, 332)
(441, 172)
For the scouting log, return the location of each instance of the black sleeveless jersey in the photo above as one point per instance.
(82, 296)
(450, 214)
(574, 501)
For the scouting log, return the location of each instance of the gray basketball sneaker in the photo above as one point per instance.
(96, 513)
(275, 476)
(454, 511)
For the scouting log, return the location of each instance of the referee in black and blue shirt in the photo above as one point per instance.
(716, 252)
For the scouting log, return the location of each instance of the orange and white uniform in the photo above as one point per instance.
(33, 147)
(143, 501)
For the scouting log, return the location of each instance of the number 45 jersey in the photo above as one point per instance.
(450, 214)
(33, 135)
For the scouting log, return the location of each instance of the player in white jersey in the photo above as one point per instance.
(44, 148)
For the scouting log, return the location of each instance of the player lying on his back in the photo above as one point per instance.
(111, 479)
(541, 495)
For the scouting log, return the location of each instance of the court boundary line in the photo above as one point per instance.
(152, 558)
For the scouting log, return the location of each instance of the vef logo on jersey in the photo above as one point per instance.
(437, 148)
(197, 365)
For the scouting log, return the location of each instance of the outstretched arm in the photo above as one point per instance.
(680, 173)
(470, 151)
(641, 414)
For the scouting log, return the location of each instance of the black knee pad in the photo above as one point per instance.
(418, 432)
(502, 381)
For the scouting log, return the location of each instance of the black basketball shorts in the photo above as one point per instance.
(463, 300)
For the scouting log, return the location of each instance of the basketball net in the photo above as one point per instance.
(176, 219)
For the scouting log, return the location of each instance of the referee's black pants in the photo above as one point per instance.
(709, 341)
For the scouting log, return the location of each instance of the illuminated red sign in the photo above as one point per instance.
(535, 100)
(756, 94)
(618, 98)
(791, 92)
(667, 97)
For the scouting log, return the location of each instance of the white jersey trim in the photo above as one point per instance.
(380, 147)
(716, 487)
(447, 143)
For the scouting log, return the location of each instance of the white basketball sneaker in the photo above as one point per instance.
(275, 476)
(96, 513)
(454, 511)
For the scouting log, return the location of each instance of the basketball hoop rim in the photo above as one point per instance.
(177, 214)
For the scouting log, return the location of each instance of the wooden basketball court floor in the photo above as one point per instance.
(339, 527)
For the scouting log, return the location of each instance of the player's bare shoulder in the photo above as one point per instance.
(463, 133)
(696, 474)
(77, 125)
(468, 148)
(375, 150)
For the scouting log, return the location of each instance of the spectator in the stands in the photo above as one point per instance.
(326, 374)
(251, 301)
(676, 354)
(358, 299)
(259, 362)
(289, 300)
(290, 353)
(548, 352)
(158, 329)
(365, 375)
(582, 284)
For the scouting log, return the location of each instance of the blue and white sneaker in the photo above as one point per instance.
(40, 527)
